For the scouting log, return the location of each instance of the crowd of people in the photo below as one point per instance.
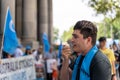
(82, 60)
(44, 70)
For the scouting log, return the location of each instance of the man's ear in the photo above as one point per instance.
(89, 40)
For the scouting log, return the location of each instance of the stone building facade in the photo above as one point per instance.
(31, 18)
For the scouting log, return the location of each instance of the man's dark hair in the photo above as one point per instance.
(87, 29)
(101, 39)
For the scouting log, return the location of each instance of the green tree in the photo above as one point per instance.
(108, 29)
(106, 7)
(116, 28)
(55, 34)
(110, 26)
(67, 34)
(104, 28)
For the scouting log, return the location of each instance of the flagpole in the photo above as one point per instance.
(3, 35)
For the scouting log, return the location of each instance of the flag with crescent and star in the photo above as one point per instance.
(46, 44)
(10, 41)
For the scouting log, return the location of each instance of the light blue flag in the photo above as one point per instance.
(10, 42)
(46, 44)
(60, 50)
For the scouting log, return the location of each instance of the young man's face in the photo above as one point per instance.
(102, 44)
(79, 43)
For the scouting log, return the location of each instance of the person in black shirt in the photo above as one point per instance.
(91, 64)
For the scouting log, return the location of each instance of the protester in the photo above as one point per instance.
(109, 53)
(38, 54)
(49, 58)
(39, 63)
(91, 63)
(117, 65)
(55, 71)
(117, 61)
(28, 50)
(18, 51)
(50, 55)
(6, 55)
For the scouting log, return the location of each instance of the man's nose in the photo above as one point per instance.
(72, 39)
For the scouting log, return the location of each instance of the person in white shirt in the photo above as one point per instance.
(18, 51)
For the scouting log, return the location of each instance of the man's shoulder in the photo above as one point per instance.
(98, 58)
(100, 68)
(99, 54)
(108, 50)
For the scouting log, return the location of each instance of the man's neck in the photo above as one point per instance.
(85, 51)
(103, 48)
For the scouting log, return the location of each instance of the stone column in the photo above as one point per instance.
(18, 18)
(0, 26)
(42, 18)
(0, 20)
(50, 21)
(4, 4)
(29, 23)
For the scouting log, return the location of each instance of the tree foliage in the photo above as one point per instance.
(67, 34)
(109, 29)
(106, 7)
(55, 34)
(110, 26)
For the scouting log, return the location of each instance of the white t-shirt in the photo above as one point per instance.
(40, 61)
(18, 52)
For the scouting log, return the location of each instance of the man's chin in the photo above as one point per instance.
(75, 50)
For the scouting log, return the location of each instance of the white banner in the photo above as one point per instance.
(20, 68)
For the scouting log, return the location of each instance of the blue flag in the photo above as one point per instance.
(10, 42)
(60, 50)
(46, 44)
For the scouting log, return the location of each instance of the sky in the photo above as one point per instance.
(67, 12)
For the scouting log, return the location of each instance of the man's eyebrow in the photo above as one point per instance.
(74, 34)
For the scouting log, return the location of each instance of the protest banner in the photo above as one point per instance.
(50, 64)
(21, 68)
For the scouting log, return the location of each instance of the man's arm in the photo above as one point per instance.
(64, 72)
(101, 71)
(114, 71)
(112, 57)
